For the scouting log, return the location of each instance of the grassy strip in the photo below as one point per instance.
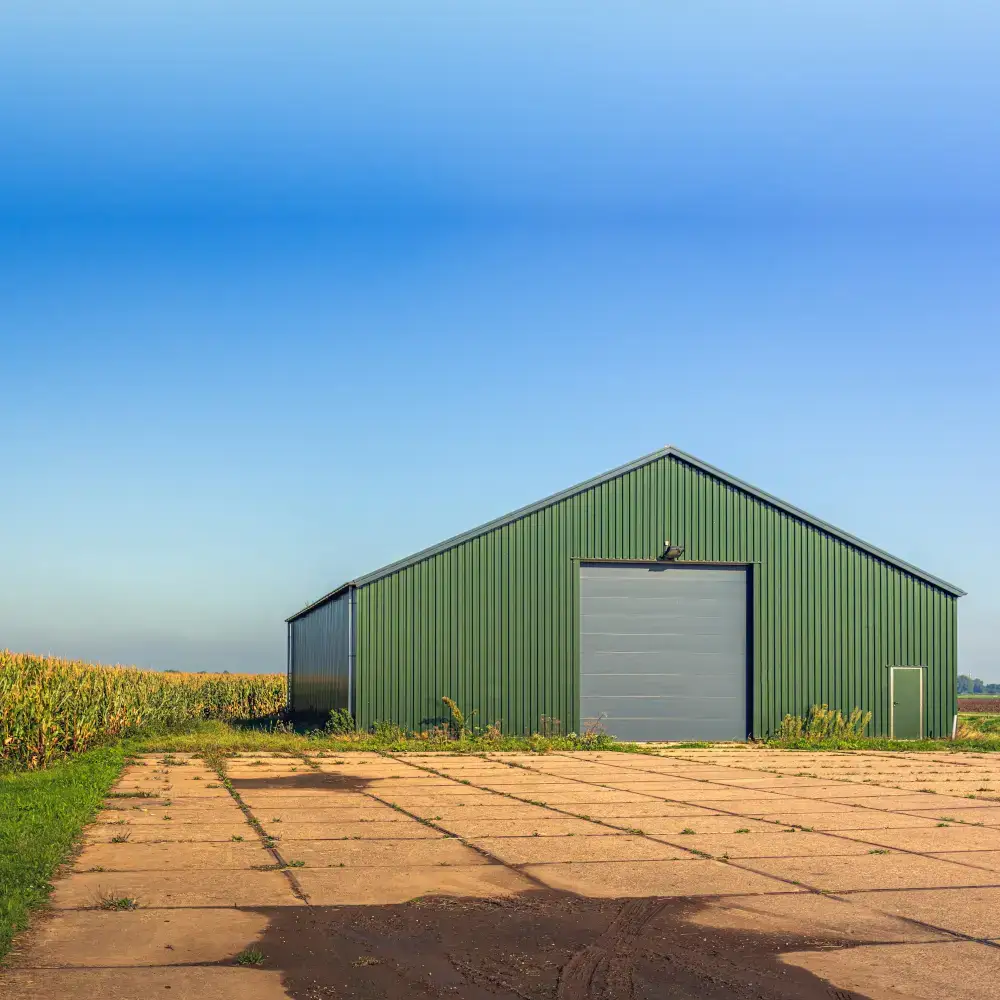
(976, 734)
(823, 728)
(984, 743)
(41, 815)
(221, 738)
(982, 723)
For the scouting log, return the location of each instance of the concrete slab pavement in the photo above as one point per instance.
(875, 867)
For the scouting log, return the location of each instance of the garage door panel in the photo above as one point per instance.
(663, 651)
(627, 645)
(673, 682)
(647, 730)
(603, 616)
(694, 709)
(652, 685)
(634, 582)
(679, 624)
(636, 588)
(697, 636)
(678, 605)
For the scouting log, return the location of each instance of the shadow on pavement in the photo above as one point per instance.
(540, 945)
(306, 780)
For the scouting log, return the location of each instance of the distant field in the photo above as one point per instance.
(50, 708)
(978, 703)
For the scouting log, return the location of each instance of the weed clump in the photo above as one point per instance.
(460, 723)
(823, 726)
(340, 723)
(109, 901)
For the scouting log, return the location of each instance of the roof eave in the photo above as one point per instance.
(322, 600)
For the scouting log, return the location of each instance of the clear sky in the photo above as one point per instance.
(290, 290)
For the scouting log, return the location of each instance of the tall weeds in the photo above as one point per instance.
(823, 725)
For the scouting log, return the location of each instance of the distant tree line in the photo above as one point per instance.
(973, 685)
(200, 671)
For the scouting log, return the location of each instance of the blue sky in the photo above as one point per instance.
(289, 291)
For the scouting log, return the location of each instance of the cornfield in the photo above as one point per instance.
(51, 707)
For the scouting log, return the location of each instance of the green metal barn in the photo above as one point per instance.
(665, 600)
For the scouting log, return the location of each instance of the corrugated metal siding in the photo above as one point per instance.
(494, 621)
(320, 655)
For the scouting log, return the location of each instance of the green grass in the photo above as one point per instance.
(982, 722)
(976, 733)
(984, 743)
(250, 956)
(218, 737)
(41, 814)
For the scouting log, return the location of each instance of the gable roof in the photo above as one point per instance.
(671, 452)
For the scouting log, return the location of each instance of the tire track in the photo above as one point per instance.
(605, 966)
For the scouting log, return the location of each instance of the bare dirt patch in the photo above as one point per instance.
(989, 706)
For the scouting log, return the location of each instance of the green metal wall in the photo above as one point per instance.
(493, 622)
